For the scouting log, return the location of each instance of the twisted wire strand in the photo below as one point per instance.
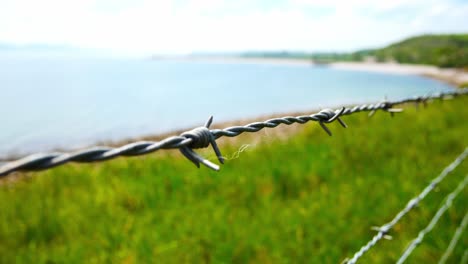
(203, 137)
(454, 241)
(464, 259)
(383, 230)
(442, 209)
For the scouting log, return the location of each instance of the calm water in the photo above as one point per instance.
(69, 103)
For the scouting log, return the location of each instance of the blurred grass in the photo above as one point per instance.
(306, 199)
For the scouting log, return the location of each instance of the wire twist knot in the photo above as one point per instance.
(383, 230)
(201, 137)
(387, 107)
(328, 116)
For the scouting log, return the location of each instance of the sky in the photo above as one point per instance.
(185, 26)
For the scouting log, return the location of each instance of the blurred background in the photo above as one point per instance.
(75, 74)
(79, 72)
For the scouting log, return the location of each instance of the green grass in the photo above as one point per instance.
(307, 199)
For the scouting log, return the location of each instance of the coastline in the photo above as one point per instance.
(282, 131)
(455, 77)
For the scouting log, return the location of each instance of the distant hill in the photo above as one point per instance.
(440, 50)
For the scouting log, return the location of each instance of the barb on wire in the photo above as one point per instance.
(455, 239)
(442, 209)
(383, 230)
(387, 107)
(202, 137)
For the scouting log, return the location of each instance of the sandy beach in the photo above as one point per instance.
(449, 75)
(452, 76)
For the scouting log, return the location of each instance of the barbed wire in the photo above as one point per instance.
(454, 241)
(442, 209)
(384, 229)
(202, 137)
(464, 259)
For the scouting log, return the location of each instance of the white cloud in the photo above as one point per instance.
(146, 26)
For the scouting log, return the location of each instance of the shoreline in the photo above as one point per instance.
(455, 77)
(280, 131)
(452, 76)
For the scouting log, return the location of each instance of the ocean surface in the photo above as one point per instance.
(62, 103)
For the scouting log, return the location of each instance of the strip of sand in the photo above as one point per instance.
(449, 75)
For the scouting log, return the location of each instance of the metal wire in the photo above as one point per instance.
(464, 259)
(445, 206)
(383, 230)
(454, 240)
(202, 137)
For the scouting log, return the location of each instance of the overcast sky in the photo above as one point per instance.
(182, 26)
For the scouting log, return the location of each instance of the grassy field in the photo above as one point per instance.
(309, 198)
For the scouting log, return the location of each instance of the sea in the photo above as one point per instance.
(69, 103)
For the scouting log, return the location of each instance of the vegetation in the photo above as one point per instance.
(275, 54)
(316, 57)
(438, 50)
(309, 198)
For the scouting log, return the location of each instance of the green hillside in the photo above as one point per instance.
(440, 50)
(304, 198)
